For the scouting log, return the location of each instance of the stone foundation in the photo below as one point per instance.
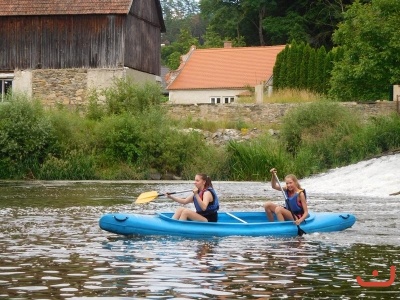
(65, 86)
(71, 87)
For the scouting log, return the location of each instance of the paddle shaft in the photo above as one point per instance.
(299, 230)
(180, 192)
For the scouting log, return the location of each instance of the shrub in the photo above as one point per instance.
(71, 132)
(26, 136)
(146, 141)
(75, 165)
(316, 121)
(128, 96)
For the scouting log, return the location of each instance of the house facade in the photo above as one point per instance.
(59, 50)
(221, 75)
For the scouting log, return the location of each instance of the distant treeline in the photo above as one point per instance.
(348, 50)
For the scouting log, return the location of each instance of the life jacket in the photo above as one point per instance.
(212, 206)
(294, 202)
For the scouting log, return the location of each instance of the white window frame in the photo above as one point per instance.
(228, 99)
(4, 78)
(215, 100)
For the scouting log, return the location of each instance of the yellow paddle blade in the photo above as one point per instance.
(147, 197)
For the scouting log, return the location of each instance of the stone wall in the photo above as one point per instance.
(71, 87)
(266, 113)
(63, 86)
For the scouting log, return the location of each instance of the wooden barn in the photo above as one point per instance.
(58, 50)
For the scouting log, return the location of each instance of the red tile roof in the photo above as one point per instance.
(226, 68)
(63, 7)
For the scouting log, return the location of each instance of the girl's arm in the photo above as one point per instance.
(186, 200)
(305, 208)
(274, 183)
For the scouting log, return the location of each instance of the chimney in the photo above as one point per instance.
(227, 44)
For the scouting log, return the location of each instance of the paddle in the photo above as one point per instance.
(150, 196)
(300, 231)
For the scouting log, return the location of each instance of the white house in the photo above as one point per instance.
(219, 75)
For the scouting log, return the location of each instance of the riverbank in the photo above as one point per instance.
(135, 141)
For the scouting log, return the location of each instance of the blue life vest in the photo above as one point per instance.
(212, 206)
(295, 203)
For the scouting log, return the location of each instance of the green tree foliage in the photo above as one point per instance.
(181, 14)
(170, 54)
(280, 70)
(299, 66)
(304, 65)
(320, 78)
(271, 22)
(369, 39)
(213, 40)
(281, 29)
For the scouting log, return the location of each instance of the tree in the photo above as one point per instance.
(369, 38)
(272, 22)
(304, 67)
(179, 14)
(171, 54)
(212, 39)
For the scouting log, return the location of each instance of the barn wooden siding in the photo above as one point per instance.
(143, 37)
(56, 42)
(82, 41)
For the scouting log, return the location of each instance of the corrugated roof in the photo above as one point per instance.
(63, 7)
(226, 67)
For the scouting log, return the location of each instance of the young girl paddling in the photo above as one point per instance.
(296, 199)
(204, 199)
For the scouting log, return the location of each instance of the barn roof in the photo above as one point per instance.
(63, 7)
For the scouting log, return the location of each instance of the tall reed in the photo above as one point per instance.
(252, 160)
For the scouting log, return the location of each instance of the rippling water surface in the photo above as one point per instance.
(51, 246)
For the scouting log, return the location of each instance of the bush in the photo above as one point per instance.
(71, 132)
(128, 96)
(147, 141)
(26, 136)
(75, 165)
(316, 121)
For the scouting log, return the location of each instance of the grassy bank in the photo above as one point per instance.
(129, 136)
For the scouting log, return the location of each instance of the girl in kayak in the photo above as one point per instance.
(204, 199)
(296, 198)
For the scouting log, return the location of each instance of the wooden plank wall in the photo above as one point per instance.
(143, 38)
(55, 42)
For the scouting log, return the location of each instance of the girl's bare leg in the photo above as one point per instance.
(178, 213)
(188, 214)
(270, 208)
(283, 214)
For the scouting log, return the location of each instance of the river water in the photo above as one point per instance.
(51, 246)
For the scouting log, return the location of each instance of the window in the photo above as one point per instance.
(5, 85)
(214, 100)
(229, 99)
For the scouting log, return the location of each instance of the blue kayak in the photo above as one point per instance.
(233, 223)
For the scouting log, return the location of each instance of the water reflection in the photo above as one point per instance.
(53, 249)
